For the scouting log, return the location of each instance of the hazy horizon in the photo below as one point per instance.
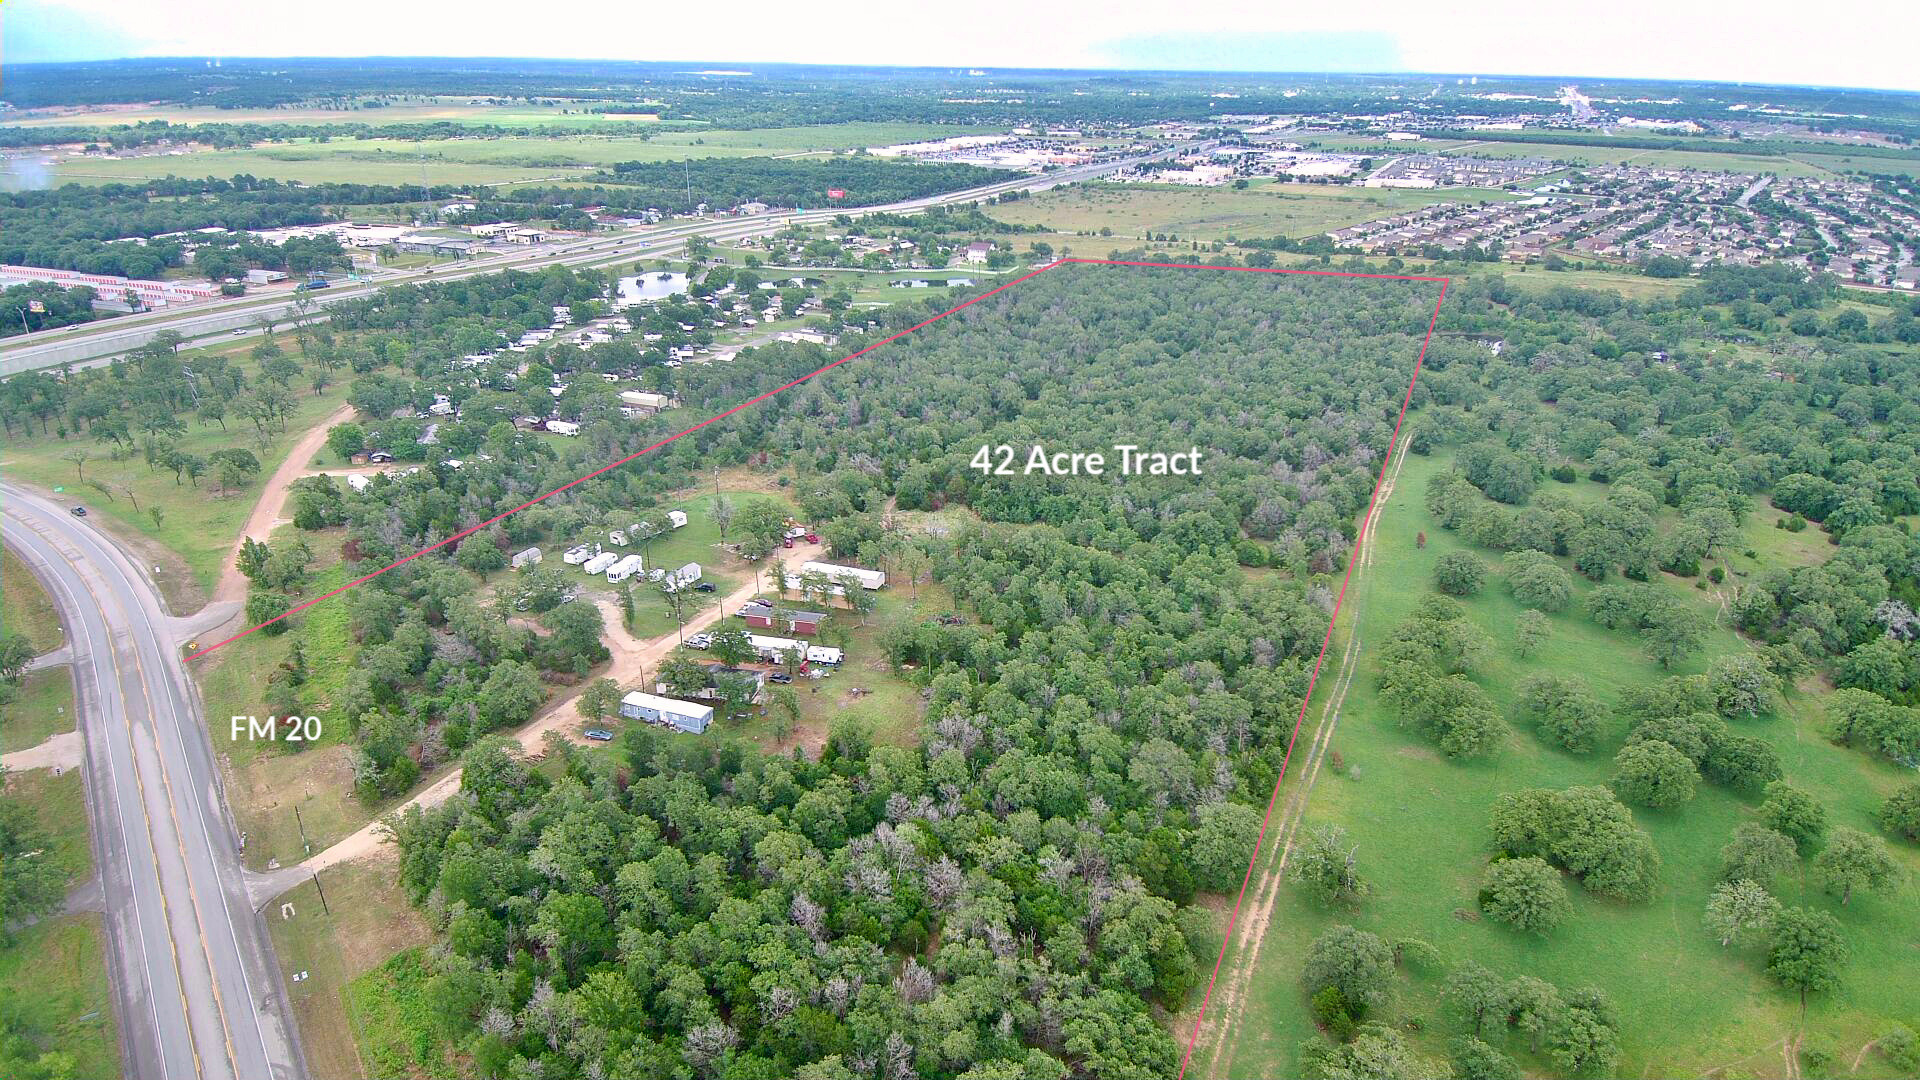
(1639, 39)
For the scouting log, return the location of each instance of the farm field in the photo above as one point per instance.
(1419, 823)
(405, 111)
(489, 160)
(1133, 210)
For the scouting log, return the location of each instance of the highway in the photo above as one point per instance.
(197, 991)
(100, 342)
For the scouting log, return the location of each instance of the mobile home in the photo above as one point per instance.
(674, 713)
(599, 563)
(577, 555)
(625, 569)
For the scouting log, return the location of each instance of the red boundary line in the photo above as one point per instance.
(1340, 599)
(1325, 642)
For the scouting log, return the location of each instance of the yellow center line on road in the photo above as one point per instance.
(179, 839)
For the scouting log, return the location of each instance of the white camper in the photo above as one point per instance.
(625, 569)
(577, 555)
(599, 563)
(677, 518)
(563, 427)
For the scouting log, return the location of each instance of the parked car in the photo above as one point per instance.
(705, 586)
(786, 541)
(699, 641)
(779, 677)
(239, 330)
(813, 538)
(78, 511)
(599, 734)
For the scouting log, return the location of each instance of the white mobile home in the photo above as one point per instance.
(775, 649)
(563, 427)
(867, 579)
(599, 563)
(524, 559)
(577, 555)
(683, 577)
(625, 569)
(674, 713)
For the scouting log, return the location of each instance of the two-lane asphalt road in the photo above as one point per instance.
(197, 989)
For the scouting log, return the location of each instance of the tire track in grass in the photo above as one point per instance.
(1253, 931)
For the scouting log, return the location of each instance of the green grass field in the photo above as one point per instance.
(60, 804)
(1133, 210)
(197, 524)
(1419, 821)
(24, 606)
(291, 800)
(353, 948)
(42, 708)
(55, 985)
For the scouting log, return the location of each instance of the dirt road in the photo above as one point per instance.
(273, 502)
(1257, 915)
(632, 660)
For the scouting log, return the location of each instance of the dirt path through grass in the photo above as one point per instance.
(1266, 891)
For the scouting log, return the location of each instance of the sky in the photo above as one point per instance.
(1863, 43)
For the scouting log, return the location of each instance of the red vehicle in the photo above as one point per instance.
(813, 538)
(786, 541)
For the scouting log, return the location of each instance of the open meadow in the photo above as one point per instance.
(1419, 822)
(1131, 211)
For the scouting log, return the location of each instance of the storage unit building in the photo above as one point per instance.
(524, 559)
(672, 712)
